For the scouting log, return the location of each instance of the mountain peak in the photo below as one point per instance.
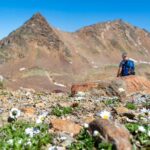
(38, 16)
(37, 20)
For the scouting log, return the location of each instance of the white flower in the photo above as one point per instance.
(95, 133)
(63, 138)
(20, 141)
(121, 90)
(32, 131)
(29, 131)
(36, 131)
(10, 142)
(104, 114)
(141, 129)
(78, 98)
(14, 113)
(80, 94)
(143, 110)
(86, 125)
(41, 118)
(38, 121)
(56, 148)
(28, 142)
(148, 133)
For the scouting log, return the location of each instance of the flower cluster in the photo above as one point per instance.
(32, 131)
(14, 113)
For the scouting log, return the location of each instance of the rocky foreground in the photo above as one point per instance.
(93, 116)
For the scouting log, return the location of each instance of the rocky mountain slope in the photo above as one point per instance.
(103, 116)
(41, 57)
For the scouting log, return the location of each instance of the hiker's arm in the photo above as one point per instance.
(119, 71)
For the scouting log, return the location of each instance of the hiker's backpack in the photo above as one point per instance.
(128, 68)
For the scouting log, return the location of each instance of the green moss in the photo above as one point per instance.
(60, 111)
(131, 106)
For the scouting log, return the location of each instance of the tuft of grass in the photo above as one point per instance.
(85, 141)
(34, 72)
(15, 132)
(105, 146)
(111, 102)
(141, 137)
(131, 106)
(61, 111)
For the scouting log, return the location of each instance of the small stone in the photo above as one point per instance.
(88, 119)
(41, 105)
(28, 110)
(123, 111)
(66, 126)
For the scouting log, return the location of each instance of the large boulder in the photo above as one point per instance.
(115, 133)
(121, 87)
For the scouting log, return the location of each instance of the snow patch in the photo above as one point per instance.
(95, 67)
(130, 38)
(135, 61)
(102, 35)
(22, 69)
(139, 41)
(1, 78)
(59, 84)
(144, 62)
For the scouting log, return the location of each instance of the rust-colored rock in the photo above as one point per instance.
(65, 126)
(82, 87)
(137, 84)
(120, 87)
(115, 133)
(75, 104)
(28, 110)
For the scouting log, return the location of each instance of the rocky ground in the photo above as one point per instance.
(102, 116)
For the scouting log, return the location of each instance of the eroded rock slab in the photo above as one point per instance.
(117, 134)
(121, 87)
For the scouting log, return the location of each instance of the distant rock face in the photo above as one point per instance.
(44, 50)
(121, 87)
(102, 38)
(137, 84)
(35, 33)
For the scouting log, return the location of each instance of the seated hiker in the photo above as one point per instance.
(126, 66)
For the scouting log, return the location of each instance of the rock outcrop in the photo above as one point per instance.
(120, 87)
